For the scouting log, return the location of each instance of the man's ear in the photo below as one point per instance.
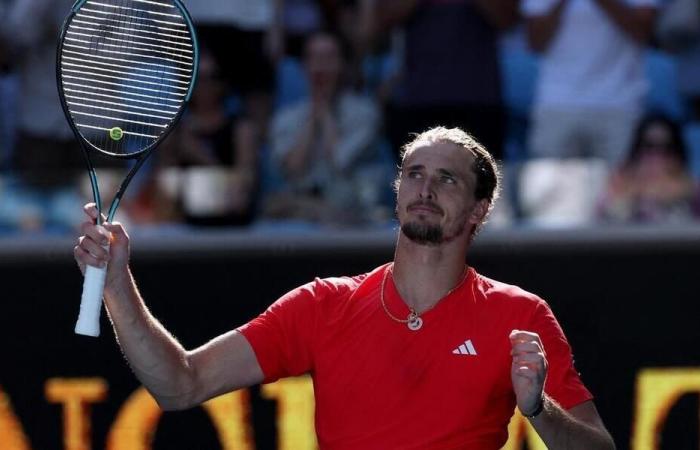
(479, 211)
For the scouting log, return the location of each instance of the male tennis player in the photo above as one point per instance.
(421, 353)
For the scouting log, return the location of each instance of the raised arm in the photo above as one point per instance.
(579, 428)
(176, 378)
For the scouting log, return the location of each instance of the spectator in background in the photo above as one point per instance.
(216, 153)
(298, 19)
(236, 31)
(689, 76)
(678, 32)
(7, 100)
(653, 185)
(41, 189)
(355, 21)
(451, 75)
(591, 86)
(294, 21)
(322, 145)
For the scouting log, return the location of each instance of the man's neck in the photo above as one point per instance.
(424, 274)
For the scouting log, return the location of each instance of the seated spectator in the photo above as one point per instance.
(654, 184)
(40, 189)
(216, 154)
(325, 147)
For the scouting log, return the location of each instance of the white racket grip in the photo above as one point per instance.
(91, 302)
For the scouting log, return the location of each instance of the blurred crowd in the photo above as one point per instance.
(592, 108)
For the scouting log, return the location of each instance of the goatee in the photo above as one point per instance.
(423, 234)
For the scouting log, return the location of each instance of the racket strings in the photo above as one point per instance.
(128, 45)
(126, 70)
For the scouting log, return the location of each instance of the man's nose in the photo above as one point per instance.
(427, 189)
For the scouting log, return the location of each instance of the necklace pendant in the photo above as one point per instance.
(414, 322)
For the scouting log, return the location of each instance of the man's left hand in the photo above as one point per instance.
(528, 370)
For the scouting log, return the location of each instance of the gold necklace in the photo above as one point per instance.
(413, 321)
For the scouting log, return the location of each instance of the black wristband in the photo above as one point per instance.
(537, 411)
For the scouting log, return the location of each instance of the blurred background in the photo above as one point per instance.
(281, 169)
(301, 108)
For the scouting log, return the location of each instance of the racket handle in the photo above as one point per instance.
(91, 302)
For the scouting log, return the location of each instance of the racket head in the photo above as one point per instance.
(125, 72)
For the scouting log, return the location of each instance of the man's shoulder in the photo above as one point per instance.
(328, 296)
(323, 295)
(510, 303)
(494, 291)
(348, 284)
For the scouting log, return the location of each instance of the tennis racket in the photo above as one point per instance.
(125, 71)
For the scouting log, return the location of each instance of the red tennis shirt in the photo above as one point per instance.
(380, 385)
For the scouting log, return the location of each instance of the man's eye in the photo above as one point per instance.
(448, 179)
(414, 174)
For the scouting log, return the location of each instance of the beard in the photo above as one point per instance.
(422, 233)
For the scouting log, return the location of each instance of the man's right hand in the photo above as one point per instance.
(102, 244)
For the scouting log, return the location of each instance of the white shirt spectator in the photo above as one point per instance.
(590, 61)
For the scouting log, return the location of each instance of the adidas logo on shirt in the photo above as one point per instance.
(465, 349)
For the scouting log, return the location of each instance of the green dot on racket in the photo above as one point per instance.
(116, 134)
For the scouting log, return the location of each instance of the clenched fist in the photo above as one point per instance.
(528, 370)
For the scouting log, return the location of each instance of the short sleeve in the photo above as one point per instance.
(563, 383)
(282, 337)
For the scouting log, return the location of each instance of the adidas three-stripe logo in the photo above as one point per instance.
(465, 349)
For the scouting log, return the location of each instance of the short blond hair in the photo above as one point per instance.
(485, 168)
